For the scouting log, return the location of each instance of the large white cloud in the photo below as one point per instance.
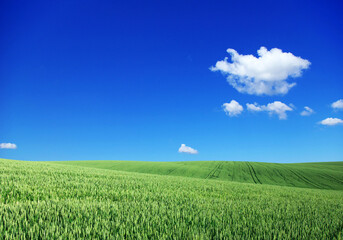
(338, 104)
(186, 149)
(8, 145)
(266, 74)
(331, 121)
(307, 111)
(233, 108)
(278, 108)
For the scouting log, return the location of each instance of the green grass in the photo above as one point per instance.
(309, 175)
(40, 200)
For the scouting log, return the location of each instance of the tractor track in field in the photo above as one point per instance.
(233, 171)
(171, 170)
(284, 178)
(217, 168)
(211, 173)
(253, 174)
(328, 176)
(304, 179)
(335, 179)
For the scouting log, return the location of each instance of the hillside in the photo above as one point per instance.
(40, 200)
(325, 175)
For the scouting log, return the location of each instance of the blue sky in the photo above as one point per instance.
(131, 80)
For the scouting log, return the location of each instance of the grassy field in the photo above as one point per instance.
(311, 175)
(40, 200)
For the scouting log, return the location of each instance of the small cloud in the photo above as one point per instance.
(307, 112)
(254, 107)
(331, 121)
(186, 149)
(278, 108)
(8, 145)
(266, 74)
(233, 108)
(338, 105)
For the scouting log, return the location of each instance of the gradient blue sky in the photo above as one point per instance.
(130, 80)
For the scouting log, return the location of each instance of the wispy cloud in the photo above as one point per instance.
(254, 107)
(307, 111)
(186, 149)
(275, 108)
(8, 145)
(266, 74)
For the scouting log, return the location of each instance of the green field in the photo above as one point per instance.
(311, 175)
(203, 200)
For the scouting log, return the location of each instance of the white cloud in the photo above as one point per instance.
(338, 104)
(278, 108)
(331, 121)
(233, 108)
(266, 74)
(307, 112)
(254, 107)
(8, 145)
(186, 149)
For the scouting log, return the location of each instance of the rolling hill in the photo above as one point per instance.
(44, 200)
(324, 175)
